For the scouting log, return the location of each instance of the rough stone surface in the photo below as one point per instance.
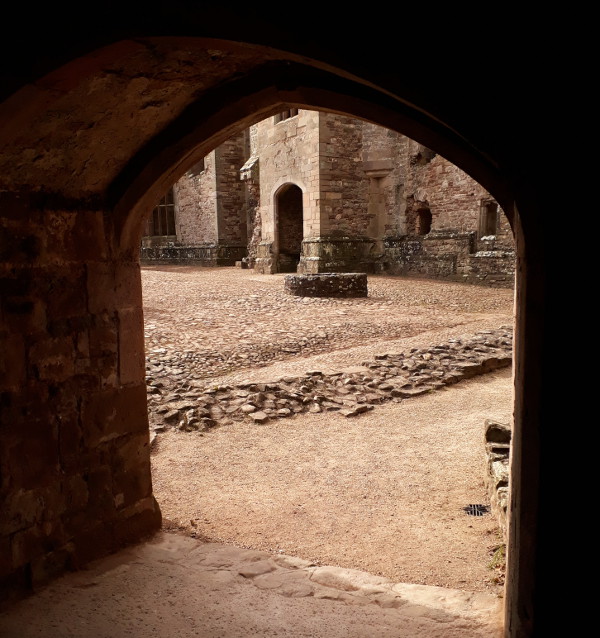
(156, 589)
(327, 285)
(388, 377)
(497, 449)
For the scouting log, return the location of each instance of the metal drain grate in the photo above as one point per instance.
(476, 510)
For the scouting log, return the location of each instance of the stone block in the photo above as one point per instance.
(12, 361)
(65, 291)
(52, 359)
(75, 236)
(113, 412)
(137, 522)
(132, 361)
(34, 459)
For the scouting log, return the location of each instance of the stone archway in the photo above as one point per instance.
(290, 227)
(78, 179)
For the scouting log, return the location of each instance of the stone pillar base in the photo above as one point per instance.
(265, 262)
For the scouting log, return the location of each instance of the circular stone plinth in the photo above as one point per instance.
(327, 285)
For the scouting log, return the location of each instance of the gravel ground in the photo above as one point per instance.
(381, 492)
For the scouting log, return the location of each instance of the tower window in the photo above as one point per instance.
(162, 221)
(285, 115)
(488, 219)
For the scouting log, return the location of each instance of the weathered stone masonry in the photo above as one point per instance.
(319, 192)
(388, 377)
(74, 468)
(210, 212)
(327, 285)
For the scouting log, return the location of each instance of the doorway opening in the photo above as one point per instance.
(226, 337)
(290, 228)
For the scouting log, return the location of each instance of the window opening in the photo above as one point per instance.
(197, 168)
(285, 115)
(488, 219)
(163, 216)
(423, 221)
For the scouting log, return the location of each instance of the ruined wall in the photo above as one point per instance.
(196, 204)
(449, 255)
(439, 233)
(230, 193)
(343, 195)
(372, 200)
(210, 212)
(453, 197)
(383, 153)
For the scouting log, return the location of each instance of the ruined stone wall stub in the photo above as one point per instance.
(383, 151)
(230, 192)
(196, 213)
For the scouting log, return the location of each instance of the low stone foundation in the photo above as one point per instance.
(327, 285)
(206, 255)
(497, 450)
(176, 401)
(450, 255)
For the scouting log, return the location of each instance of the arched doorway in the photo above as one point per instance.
(111, 177)
(289, 216)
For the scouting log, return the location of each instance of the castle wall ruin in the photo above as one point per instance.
(364, 199)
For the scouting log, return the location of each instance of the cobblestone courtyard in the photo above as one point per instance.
(382, 491)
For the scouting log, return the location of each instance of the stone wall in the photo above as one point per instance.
(382, 153)
(454, 199)
(288, 152)
(449, 255)
(211, 213)
(196, 204)
(206, 255)
(368, 200)
(497, 439)
(75, 478)
(230, 193)
(344, 191)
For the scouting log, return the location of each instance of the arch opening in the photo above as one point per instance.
(385, 193)
(142, 173)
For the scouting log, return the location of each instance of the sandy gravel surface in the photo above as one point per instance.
(382, 492)
(222, 323)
